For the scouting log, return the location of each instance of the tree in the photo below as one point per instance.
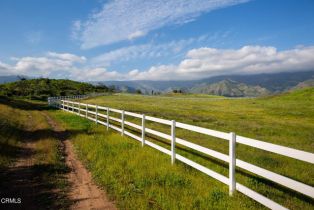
(138, 91)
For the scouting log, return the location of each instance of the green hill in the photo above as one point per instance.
(230, 88)
(43, 88)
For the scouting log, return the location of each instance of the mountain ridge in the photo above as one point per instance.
(274, 83)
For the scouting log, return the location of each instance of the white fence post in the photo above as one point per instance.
(122, 123)
(62, 104)
(96, 114)
(107, 118)
(232, 163)
(86, 110)
(143, 130)
(173, 141)
(79, 106)
(68, 106)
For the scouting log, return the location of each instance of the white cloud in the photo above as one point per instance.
(207, 62)
(136, 34)
(96, 74)
(46, 66)
(198, 63)
(67, 56)
(4, 69)
(120, 20)
(76, 27)
(58, 65)
(145, 51)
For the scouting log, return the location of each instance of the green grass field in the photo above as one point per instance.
(120, 163)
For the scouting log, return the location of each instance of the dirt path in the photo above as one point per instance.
(84, 192)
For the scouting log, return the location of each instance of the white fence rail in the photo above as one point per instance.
(103, 113)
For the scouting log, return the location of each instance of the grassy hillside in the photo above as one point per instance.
(286, 119)
(26, 136)
(43, 88)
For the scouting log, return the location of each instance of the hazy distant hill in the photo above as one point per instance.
(11, 78)
(230, 88)
(306, 83)
(147, 86)
(277, 82)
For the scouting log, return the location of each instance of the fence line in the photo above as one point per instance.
(52, 101)
(95, 110)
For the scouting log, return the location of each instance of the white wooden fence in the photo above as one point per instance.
(103, 113)
(56, 100)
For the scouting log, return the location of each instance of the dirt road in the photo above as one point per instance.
(84, 192)
(28, 187)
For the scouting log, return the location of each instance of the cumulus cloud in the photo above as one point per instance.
(198, 63)
(49, 65)
(120, 20)
(207, 62)
(58, 65)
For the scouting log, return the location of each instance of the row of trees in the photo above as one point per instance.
(43, 88)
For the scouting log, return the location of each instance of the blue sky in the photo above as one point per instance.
(155, 40)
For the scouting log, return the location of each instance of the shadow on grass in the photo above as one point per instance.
(23, 104)
(38, 185)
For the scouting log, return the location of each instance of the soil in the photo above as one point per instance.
(84, 191)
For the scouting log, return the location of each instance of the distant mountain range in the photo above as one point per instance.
(230, 88)
(306, 83)
(227, 85)
(11, 78)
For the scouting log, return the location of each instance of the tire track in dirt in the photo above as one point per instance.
(84, 192)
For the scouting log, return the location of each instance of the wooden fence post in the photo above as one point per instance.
(143, 130)
(173, 141)
(232, 163)
(79, 106)
(122, 123)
